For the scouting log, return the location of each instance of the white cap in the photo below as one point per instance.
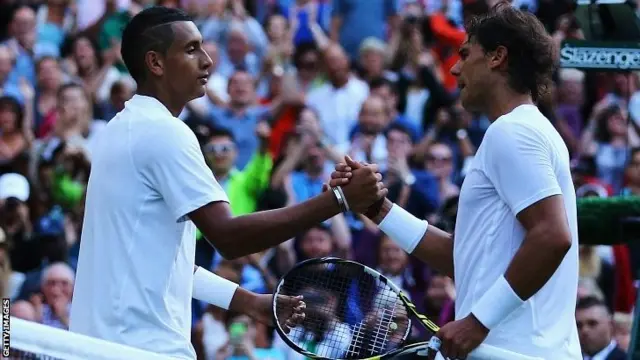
(14, 185)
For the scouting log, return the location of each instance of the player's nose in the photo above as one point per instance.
(205, 61)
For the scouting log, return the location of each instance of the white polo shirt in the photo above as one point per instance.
(522, 160)
(338, 109)
(137, 252)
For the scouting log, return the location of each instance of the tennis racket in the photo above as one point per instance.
(354, 312)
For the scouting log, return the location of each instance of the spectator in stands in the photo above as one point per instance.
(13, 140)
(50, 78)
(417, 190)
(571, 98)
(393, 263)
(242, 186)
(439, 162)
(96, 71)
(633, 174)
(439, 299)
(622, 325)
(241, 116)
(16, 222)
(355, 20)
(22, 30)
(595, 327)
(55, 20)
(368, 142)
(57, 290)
(338, 102)
(606, 139)
(242, 341)
(7, 63)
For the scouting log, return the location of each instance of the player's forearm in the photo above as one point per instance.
(434, 248)
(249, 234)
(243, 301)
(537, 260)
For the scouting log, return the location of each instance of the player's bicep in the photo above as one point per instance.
(546, 214)
(208, 217)
(519, 165)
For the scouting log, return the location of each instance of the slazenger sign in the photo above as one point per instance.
(591, 55)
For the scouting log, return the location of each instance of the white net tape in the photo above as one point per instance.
(28, 340)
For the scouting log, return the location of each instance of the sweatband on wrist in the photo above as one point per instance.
(213, 289)
(496, 304)
(403, 228)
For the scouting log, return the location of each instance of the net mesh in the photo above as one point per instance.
(30, 341)
(351, 313)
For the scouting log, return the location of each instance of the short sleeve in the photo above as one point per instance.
(518, 161)
(173, 164)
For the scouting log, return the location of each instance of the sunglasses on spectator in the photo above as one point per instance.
(433, 157)
(219, 148)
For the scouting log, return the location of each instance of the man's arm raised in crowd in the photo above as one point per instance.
(434, 247)
(243, 235)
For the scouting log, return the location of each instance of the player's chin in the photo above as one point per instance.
(198, 91)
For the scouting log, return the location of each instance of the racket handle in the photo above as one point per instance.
(486, 352)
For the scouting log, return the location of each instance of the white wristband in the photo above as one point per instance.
(213, 289)
(496, 304)
(403, 228)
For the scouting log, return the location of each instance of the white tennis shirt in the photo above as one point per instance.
(522, 160)
(137, 252)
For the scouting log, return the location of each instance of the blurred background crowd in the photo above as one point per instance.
(296, 85)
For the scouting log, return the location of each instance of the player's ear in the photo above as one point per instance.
(154, 62)
(498, 57)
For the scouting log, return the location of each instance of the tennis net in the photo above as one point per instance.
(31, 341)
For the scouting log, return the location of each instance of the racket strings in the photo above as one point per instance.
(351, 314)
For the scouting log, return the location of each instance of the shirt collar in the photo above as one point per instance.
(148, 104)
(602, 354)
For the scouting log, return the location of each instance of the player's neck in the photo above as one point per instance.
(159, 93)
(505, 101)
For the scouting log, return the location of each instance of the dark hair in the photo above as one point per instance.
(149, 30)
(13, 105)
(395, 126)
(68, 46)
(532, 55)
(588, 302)
(43, 59)
(72, 85)
(634, 151)
(379, 82)
(221, 132)
(602, 134)
(301, 50)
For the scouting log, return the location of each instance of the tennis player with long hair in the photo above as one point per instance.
(514, 258)
(149, 185)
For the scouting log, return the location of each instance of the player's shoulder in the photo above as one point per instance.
(525, 122)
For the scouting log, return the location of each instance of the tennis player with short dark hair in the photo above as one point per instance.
(149, 184)
(515, 255)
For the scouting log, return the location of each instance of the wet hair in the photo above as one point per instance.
(149, 30)
(532, 55)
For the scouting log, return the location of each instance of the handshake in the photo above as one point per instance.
(358, 187)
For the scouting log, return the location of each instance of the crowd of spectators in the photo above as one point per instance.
(296, 85)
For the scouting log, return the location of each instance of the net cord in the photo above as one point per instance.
(45, 340)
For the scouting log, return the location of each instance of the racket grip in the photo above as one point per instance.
(488, 352)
